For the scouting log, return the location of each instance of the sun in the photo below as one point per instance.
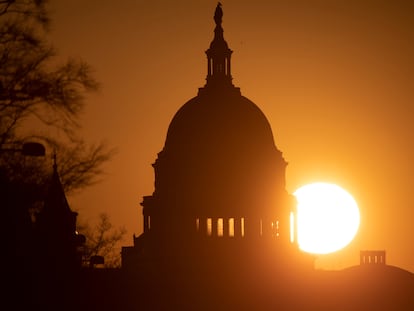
(327, 218)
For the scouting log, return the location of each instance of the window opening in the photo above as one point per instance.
(209, 227)
(220, 230)
(231, 227)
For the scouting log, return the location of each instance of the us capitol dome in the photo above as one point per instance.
(219, 179)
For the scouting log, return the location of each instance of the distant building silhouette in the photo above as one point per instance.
(219, 180)
(372, 257)
(47, 255)
(57, 238)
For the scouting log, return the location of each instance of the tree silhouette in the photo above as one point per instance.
(102, 240)
(34, 88)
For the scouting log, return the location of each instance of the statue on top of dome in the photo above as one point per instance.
(218, 14)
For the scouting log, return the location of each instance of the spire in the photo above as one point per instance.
(56, 224)
(56, 199)
(54, 163)
(218, 55)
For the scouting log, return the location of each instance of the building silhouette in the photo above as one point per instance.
(58, 242)
(372, 257)
(219, 180)
(45, 258)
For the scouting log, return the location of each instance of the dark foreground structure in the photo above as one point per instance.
(374, 288)
(219, 228)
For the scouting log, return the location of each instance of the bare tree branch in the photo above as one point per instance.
(103, 240)
(30, 88)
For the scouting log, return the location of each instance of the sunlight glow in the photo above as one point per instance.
(292, 227)
(327, 218)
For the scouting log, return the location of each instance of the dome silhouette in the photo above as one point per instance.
(221, 143)
(219, 179)
(232, 122)
(219, 158)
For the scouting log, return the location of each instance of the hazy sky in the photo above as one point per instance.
(334, 78)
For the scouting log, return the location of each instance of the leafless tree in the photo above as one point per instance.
(103, 240)
(33, 86)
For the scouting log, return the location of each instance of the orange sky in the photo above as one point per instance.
(334, 78)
